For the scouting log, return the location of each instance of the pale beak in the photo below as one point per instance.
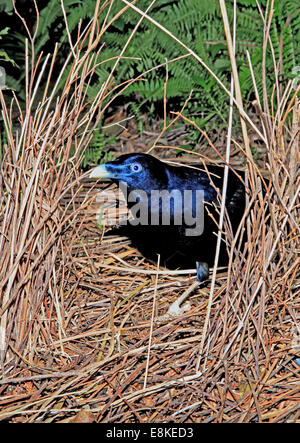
(100, 172)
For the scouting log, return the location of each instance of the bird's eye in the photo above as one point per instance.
(135, 167)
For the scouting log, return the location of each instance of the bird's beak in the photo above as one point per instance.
(100, 172)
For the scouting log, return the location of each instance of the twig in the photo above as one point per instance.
(222, 212)
(151, 324)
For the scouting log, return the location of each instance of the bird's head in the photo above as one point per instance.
(138, 171)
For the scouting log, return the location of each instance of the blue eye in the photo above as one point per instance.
(135, 167)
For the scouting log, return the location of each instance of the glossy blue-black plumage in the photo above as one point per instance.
(142, 172)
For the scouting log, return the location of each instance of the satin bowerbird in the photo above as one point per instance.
(176, 208)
